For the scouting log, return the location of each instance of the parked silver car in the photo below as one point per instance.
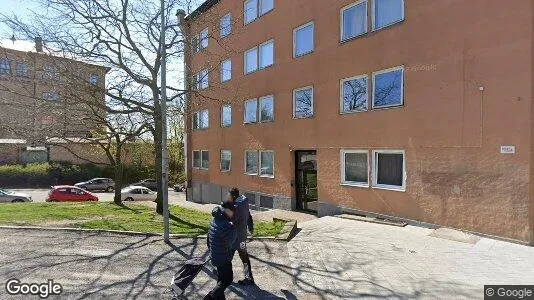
(8, 196)
(97, 184)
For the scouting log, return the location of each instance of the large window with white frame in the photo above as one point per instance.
(266, 163)
(259, 57)
(303, 103)
(387, 13)
(353, 20)
(266, 109)
(201, 120)
(355, 167)
(251, 111)
(201, 80)
(225, 26)
(226, 160)
(204, 39)
(389, 169)
(354, 95)
(303, 40)
(226, 115)
(254, 9)
(388, 88)
(251, 162)
(226, 70)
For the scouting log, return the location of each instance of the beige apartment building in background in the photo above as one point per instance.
(410, 110)
(45, 96)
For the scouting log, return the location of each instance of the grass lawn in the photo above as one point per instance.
(131, 217)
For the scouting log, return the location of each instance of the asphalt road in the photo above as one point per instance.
(39, 195)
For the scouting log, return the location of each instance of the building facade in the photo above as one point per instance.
(44, 96)
(408, 109)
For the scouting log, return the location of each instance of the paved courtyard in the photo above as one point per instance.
(330, 258)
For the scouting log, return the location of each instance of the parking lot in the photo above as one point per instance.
(39, 195)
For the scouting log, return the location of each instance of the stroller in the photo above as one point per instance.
(183, 278)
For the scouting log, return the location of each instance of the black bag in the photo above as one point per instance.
(184, 277)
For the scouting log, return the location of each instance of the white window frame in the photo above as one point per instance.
(374, 74)
(295, 40)
(221, 27)
(295, 91)
(375, 171)
(245, 60)
(260, 2)
(373, 16)
(220, 164)
(342, 24)
(259, 163)
(342, 94)
(201, 78)
(222, 116)
(201, 39)
(260, 47)
(258, 11)
(193, 159)
(245, 111)
(342, 167)
(202, 160)
(208, 119)
(259, 109)
(223, 69)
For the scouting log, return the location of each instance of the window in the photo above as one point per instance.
(267, 163)
(22, 70)
(205, 161)
(354, 94)
(303, 40)
(201, 120)
(226, 115)
(266, 109)
(5, 67)
(354, 20)
(204, 39)
(251, 162)
(251, 111)
(355, 167)
(388, 88)
(226, 25)
(226, 160)
(196, 159)
(387, 12)
(93, 79)
(226, 70)
(51, 73)
(50, 96)
(266, 56)
(303, 103)
(259, 57)
(389, 169)
(194, 44)
(202, 80)
(255, 8)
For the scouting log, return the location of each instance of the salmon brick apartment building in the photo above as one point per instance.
(406, 109)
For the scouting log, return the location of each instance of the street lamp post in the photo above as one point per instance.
(163, 105)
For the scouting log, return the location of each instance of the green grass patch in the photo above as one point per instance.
(108, 216)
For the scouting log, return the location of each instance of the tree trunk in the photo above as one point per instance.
(158, 148)
(118, 183)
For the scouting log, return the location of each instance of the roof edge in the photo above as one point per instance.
(204, 7)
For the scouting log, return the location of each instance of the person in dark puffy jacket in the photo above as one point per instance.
(221, 237)
(242, 221)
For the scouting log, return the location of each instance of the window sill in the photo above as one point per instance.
(390, 188)
(303, 54)
(226, 81)
(387, 26)
(251, 174)
(352, 112)
(387, 107)
(259, 69)
(358, 185)
(225, 171)
(267, 176)
(303, 118)
(226, 126)
(342, 42)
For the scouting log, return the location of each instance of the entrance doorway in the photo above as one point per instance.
(306, 180)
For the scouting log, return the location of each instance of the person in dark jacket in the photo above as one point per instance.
(221, 237)
(242, 221)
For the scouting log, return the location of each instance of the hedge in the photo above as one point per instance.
(46, 175)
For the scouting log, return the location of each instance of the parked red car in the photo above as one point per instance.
(69, 193)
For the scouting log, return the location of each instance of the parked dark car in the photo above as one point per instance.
(179, 188)
(148, 183)
(97, 184)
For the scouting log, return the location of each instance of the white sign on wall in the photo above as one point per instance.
(507, 149)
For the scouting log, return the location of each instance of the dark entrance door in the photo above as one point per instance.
(306, 180)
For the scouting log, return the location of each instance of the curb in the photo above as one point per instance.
(122, 232)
